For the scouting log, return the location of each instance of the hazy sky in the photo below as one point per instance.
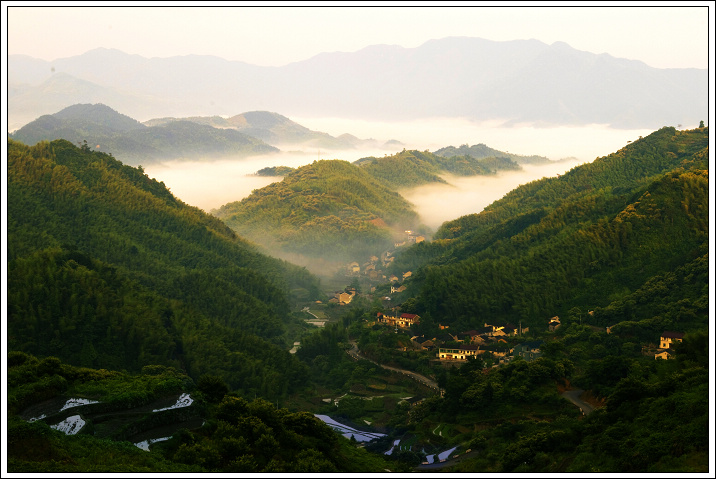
(670, 35)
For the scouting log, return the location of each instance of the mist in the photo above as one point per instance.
(211, 183)
(437, 203)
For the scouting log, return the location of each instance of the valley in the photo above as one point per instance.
(327, 296)
(269, 239)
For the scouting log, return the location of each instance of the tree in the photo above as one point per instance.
(701, 124)
(213, 387)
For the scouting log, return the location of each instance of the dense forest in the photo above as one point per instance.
(481, 151)
(104, 129)
(329, 209)
(107, 269)
(410, 168)
(601, 238)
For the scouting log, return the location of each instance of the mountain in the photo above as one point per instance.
(132, 142)
(276, 130)
(108, 269)
(603, 237)
(62, 90)
(329, 210)
(483, 151)
(514, 82)
(410, 168)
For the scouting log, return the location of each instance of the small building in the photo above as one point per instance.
(668, 338)
(530, 351)
(399, 289)
(664, 354)
(554, 323)
(460, 353)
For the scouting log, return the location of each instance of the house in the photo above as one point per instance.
(407, 274)
(530, 351)
(393, 278)
(499, 332)
(405, 320)
(499, 350)
(422, 343)
(460, 353)
(664, 354)
(669, 337)
(486, 331)
(400, 289)
(473, 336)
(554, 323)
(445, 338)
(343, 297)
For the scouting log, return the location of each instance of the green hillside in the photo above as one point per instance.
(599, 238)
(108, 269)
(410, 168)
(329, 209)
(104, 129)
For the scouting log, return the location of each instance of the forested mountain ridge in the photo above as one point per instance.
(410, 168)
(130, 141)
(483, 151)
(329, 209)
(593, 239)
(108, 269)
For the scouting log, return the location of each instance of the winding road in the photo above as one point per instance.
(355, 354)
(574, 396)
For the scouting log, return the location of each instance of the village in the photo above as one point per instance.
(498, 343)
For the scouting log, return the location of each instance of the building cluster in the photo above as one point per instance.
(666, 340)
(373, 268)
(492, 339)
(411, 237)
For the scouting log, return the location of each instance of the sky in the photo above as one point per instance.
(661, 34)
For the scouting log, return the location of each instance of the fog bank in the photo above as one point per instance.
(211, 183)
(582, 142)
(437, 203)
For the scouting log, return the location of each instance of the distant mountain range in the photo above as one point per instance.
(106, 130)
(277, 130)
(251, 133)
(522, 81)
